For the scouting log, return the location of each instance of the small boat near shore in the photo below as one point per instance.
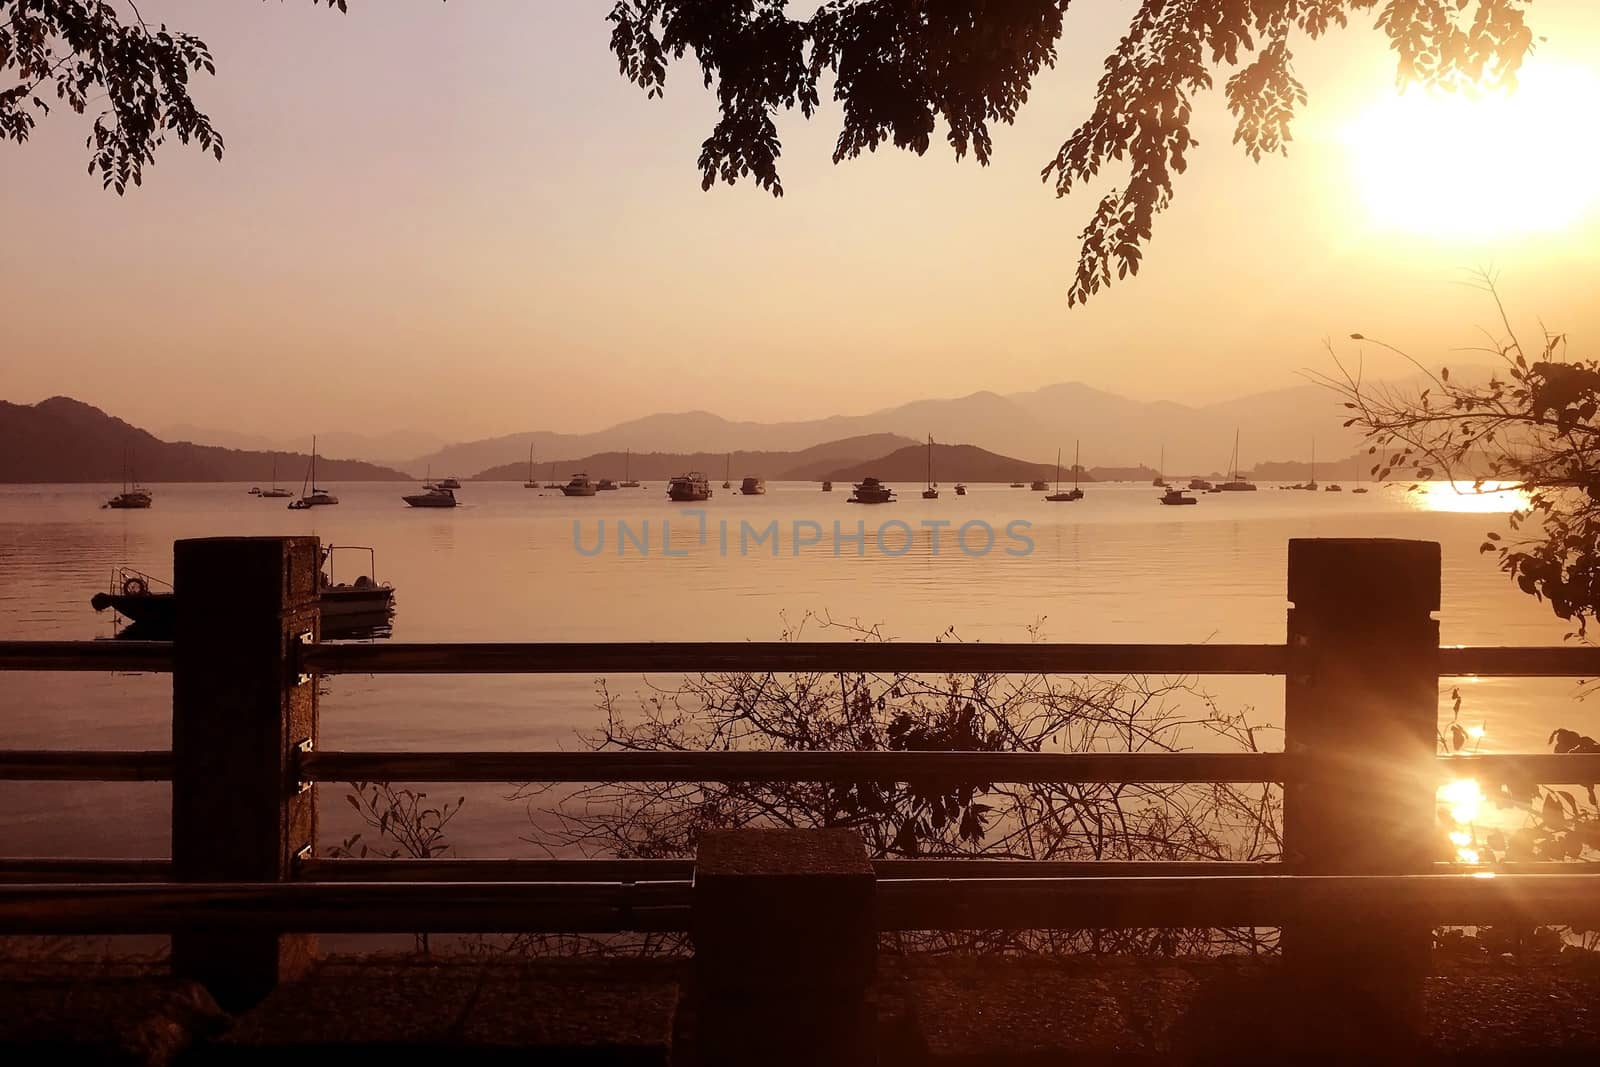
(827, 487)
(961, 489)
(1174, 497)
(753, 487)
(152, 604)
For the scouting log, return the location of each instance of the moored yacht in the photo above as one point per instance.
(871, 491)
(827, 486)
(580, 485)
(753, 487)
(432, 496)
(1237, 482)
(689, 488)
(310, 495)
(1200, 485)
(1176, 496)
(133, 496)
(606, 486)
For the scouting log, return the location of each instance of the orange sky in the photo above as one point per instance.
(458, 218)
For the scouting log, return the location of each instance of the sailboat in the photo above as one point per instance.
(627, 475)
(276, 492)
(1237, 482)
(316, 498)
(132, 497)
(1160, 481)
(552, 483)
(727, 475)
(531, 483)
(1311, 486)
(932, 491)
(1359, 487)
(1074, 493)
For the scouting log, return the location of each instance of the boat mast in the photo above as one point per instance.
(1074, 464)
(530, 461)
(930, 461)
(1058, 470)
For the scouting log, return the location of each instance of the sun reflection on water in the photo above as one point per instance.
(1492, 498)
(1464, 800)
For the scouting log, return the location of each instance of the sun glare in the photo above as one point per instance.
(1473, 166)
(1464, 497)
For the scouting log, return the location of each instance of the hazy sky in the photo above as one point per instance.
(458, 217)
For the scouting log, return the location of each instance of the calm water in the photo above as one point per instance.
(504, 567)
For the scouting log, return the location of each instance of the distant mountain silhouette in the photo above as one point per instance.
(951, 464)
(66, 440)
(1115, 430)
(391, 447)
(804, 465)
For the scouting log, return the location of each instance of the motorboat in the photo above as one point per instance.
(432, 496)
(827, 487)
(606, 485)
(1200, 485)
(347, 608)
(871, 491)
(580, 485)
(961, 489)
(255, 490)
(689, 488)
(450, 483)
(1038, 485)
(1177, 496)
(753, 487)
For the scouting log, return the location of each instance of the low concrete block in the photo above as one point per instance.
(787, 908)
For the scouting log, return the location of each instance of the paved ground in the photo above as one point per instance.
(999, 1012)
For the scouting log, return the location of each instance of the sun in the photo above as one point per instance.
(1481, 166)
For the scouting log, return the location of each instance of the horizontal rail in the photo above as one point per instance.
(86, 870)
(903, 904)
(341, 869)
(86, 656)
(350, 907)
(1542, 768)
(85, 766)
(1260, 900)
(797, 657)
(954, 767)
(924, 657)
(1489, 661)
(607, 766)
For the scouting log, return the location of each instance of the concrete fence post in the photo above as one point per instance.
(1361, 718)
(240, 715)
(785, 938)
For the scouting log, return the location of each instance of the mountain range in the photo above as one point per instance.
(1113, 430)
(66, 440)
